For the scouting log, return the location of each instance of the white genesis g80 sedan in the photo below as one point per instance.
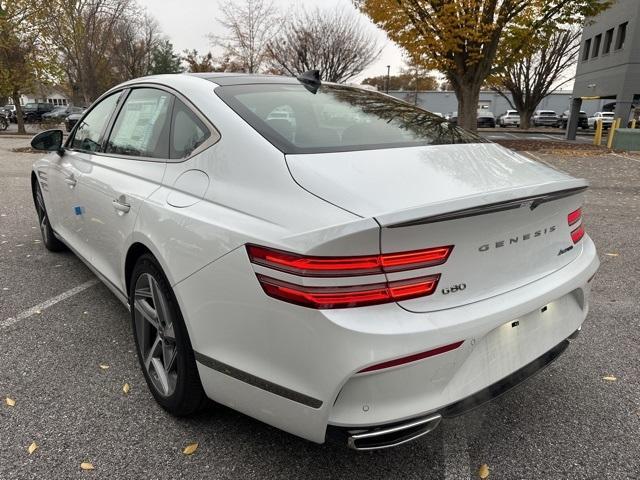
(326, 259)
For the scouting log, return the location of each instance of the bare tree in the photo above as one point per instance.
(135, 38)
(197, 63)
(249, 25)
(538, 74)
(336, 42)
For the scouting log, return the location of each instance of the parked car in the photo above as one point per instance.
(359, 283)
(33, 112)
(4, 121)
(545, 118)
(606, 117)
(9, 112)
(510, 118)
(71, 120)
(60, 113)
(485, 119)
(583, 120)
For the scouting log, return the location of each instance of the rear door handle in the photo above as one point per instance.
(71, 181)
(121, 206)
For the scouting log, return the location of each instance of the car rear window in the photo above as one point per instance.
(337, 118)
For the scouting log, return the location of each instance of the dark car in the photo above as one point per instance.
(583, 120)
(486, 119)
(71, 120)
(9, 111)
(59, 113)
(32, 112)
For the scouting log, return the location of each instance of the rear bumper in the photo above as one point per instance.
(385, 436)
(296, 368)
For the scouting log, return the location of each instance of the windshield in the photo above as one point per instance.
(337, 118)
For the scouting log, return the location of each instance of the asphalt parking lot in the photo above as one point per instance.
(567, 422)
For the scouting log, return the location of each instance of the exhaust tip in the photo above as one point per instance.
(377, 438)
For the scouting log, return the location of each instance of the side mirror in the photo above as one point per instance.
(49, 141)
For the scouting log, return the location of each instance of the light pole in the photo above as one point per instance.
(388, 71)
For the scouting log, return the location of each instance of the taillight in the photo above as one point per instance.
(577, 234)
(312, 266)
(340, 296)
(351, 296)
(572, 219)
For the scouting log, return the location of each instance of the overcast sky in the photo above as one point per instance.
(188, 22)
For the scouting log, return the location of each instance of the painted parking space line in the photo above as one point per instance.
(48, 303)
(455, 450)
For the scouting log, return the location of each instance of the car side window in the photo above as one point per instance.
(142, 126)
(187, 131)
(89, 132)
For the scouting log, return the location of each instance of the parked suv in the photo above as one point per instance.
(486, 119)
(58, 114)
(33, 111)
(545, 118)
(606, 117)
(511, 118)
(9, 111)
(583, 119)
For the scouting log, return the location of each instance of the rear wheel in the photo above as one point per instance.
(162, 341)
(48, 237)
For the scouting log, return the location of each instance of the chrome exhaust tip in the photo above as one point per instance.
(377, 438)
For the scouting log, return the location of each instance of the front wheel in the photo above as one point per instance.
(4, 124)
(48, 237)
(164, 349)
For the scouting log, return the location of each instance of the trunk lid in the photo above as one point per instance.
(505, 215)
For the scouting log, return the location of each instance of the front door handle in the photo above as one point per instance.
(71, 181)
(121, 206)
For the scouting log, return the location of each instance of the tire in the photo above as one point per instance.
(162, 341)
(49, 238)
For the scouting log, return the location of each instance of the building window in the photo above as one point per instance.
(587, 47)
(596, 45)
(608, 40)
(622, 35)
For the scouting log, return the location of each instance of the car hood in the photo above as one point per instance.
(372, 183)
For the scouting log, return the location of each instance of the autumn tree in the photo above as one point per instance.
(249, 26)
(539, 73)
(406, 80)
(462, 38)
(27, 57)
(336, 42)
(197, 63)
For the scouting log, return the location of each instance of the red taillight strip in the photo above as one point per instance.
(412, 358)
(574, 217)
(314, 266)
(577, 234)
(351, 296)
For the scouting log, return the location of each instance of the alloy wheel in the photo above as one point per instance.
(155, 334)
(43, 219)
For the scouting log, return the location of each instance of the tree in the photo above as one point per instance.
(335, 42)
(164, 59)
(198, 63)
(539, 73)
(462, 38)
(135, 38)
(27, 58)
(405, 81)
(250, 25)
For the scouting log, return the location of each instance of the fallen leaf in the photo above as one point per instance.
(104, 366)
(38, 312)
(32, 448)
(126, 388)
(483, 471)
(86, 466)
(610, 378)
(190, 449)
(10, 401)
(612, 254)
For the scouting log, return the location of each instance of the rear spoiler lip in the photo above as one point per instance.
(530, 201)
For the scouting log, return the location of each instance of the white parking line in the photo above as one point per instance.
(625, 157)
(48, 303)
(455, 450)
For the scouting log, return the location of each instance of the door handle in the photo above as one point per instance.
(71, 181)
(121, 206)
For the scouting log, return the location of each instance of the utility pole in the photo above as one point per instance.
(388, 73)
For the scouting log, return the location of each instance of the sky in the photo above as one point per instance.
(188, 22)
